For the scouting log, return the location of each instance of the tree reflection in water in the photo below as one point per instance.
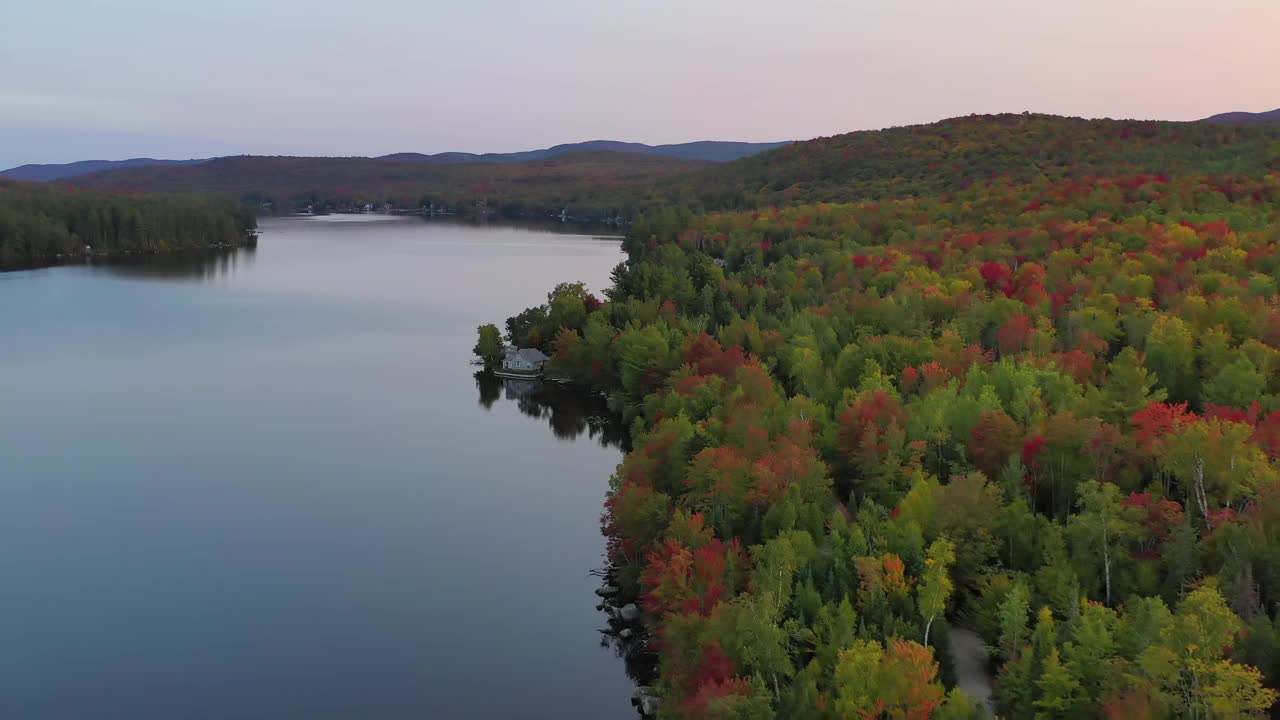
(181, 266)
(570, 410)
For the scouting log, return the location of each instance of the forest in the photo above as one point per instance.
(40, 224)
(592, 185)
(1013, 375)
(911, 161)
(921, 160)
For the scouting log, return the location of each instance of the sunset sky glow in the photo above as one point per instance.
(128, 78)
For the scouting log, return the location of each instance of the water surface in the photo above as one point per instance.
(266, 485)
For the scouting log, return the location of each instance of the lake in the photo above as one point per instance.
(266, 484)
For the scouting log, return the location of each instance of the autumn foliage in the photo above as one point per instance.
(1047, 403)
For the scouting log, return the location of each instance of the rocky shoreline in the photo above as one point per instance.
(628, 635)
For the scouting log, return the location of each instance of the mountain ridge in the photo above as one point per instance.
(49, 172)
(947, 155)
(1244, 118)
(599, 180)
(708, 150)
(906, 161)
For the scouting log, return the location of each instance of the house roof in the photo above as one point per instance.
(531, 355)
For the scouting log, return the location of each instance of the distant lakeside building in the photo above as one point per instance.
(522, 363)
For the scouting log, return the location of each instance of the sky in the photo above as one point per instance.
(111, 79)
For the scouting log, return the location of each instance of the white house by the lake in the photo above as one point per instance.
(522, 363)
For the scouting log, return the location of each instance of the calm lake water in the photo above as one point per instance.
(268, 485)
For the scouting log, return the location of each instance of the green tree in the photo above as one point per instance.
(1187, 662)
(1129, 387)
(1099, 531)
(1171, 353)
(567, 307)
(856, 678)
(899, 681)
(1092, 649)
(1058, 689)
(1215, 463)
(1014, 613)
(966, 509)
(642, 360)
(489, 346)
(1236, 385)
(935, 585)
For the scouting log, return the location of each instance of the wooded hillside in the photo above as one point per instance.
(39, 223)
(1031, 389)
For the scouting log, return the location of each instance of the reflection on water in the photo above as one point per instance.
(547, 225)
(570, 410)
(197, 265)
(256, 485)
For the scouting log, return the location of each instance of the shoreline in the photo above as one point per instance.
(250, 241)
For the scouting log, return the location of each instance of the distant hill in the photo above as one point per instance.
(912, 161)
(1245, 118)
(949, 155)
(710, 150)
(592, 184)
(49, 173)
